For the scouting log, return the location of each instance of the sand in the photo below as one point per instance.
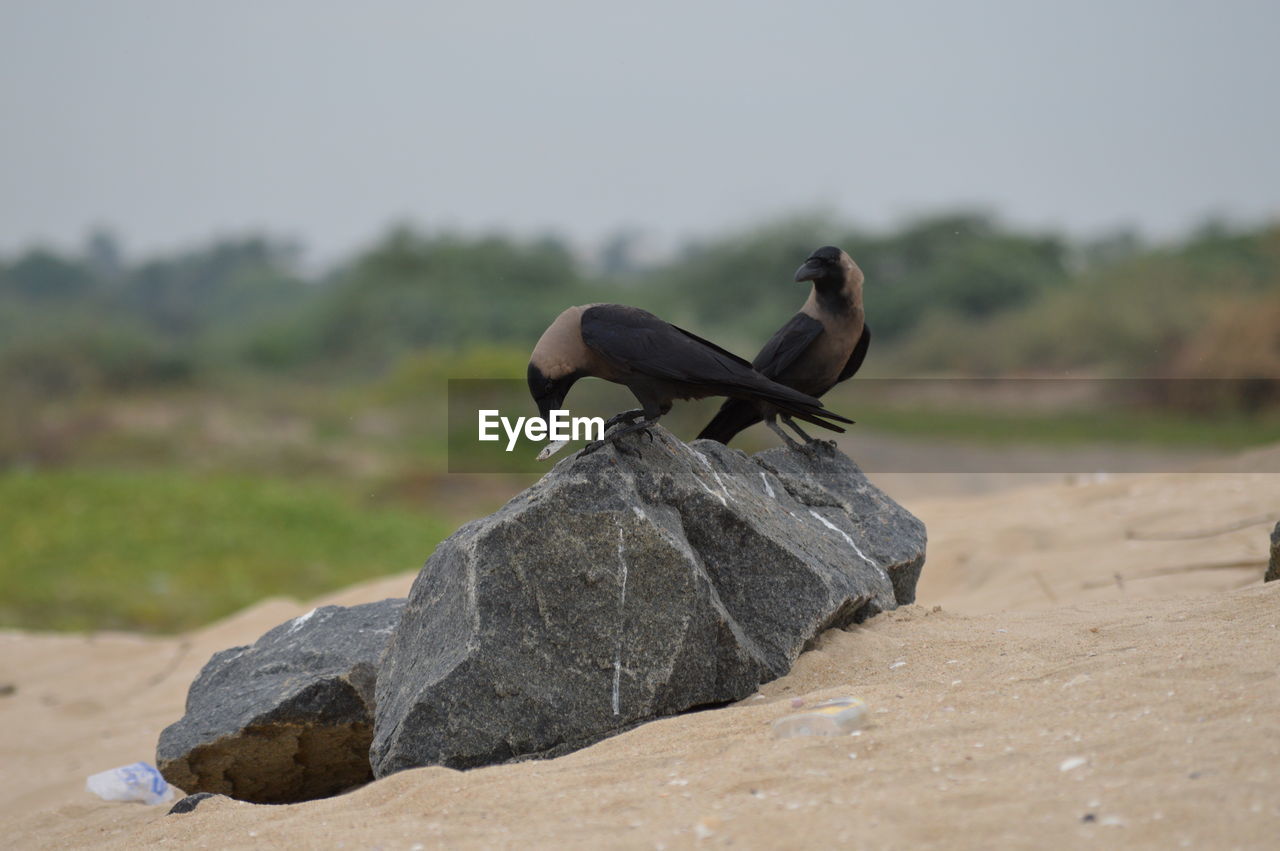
(1088, 664)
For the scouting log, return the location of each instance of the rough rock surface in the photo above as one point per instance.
(622, 588)
(288, 718)
(1273, 569)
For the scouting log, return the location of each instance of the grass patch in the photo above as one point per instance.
(165, 551)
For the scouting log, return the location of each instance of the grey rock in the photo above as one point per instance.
(620, 589)
(289, 718)
(1273, 569)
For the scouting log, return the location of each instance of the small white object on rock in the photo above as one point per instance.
(1072, 763)
(551, 449)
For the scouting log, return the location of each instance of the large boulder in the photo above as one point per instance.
(1273, 569)
(288, 718)
(622, 588)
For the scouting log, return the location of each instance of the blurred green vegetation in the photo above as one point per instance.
(180, 435)
(957, 293)
(166, 550)
(1206, 308)
(962, 265)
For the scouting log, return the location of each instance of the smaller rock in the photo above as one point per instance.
(1273, 570)
(289, 718)
(189, 803)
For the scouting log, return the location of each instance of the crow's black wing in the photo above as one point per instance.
(725, 352)
(858, 355)
(646, 344)
(787, 344)
(640, 342)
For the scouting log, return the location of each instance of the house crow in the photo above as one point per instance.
(822, 345)
(658, 362)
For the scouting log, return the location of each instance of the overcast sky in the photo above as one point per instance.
(173, 121)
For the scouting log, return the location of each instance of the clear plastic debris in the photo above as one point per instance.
(137, 782)
(839, 716)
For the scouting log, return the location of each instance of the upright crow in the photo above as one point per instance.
(658, 362)
(822, 345)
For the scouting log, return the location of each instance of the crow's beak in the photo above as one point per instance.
(811, 269)
(551, 399)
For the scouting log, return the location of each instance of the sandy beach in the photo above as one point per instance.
(1088, 663)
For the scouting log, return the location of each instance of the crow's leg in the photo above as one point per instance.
(772, 423)
(612, 437)
(624, 417)
(808, 441)
(794, 426)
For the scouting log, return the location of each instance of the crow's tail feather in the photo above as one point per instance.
(739, 412)
(819, 417)
(807, 408)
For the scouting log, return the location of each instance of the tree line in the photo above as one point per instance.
(955, 292)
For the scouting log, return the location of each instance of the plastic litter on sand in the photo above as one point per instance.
(137, 782)
(836, 717)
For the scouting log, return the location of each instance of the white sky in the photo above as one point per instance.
(172, 120)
